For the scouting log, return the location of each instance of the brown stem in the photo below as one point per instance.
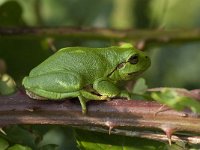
(117, 116)
(153, 36)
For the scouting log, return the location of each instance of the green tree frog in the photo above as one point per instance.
(86, 73)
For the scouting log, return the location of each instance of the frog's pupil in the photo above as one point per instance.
(133, 59)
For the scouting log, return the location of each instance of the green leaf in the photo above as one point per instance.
(3, 144)
(49, 147)
(19, 147)
(172, 98)
(87, 140)
(57, 138)
(17, 134)
(53, 137)
(7, 85)
(194, 146)
(140, 86)
(178, 146)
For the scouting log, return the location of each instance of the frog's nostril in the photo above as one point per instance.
(146, 57)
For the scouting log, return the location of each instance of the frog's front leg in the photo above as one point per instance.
(125, 94)
(107, 88)
(86, 96)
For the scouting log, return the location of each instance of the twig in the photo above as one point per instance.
(153, 36)
(154, 135)
(184, 92)
(116, 115)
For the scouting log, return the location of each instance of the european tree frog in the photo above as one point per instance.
(86, 73)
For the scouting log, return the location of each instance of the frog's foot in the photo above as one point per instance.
(34, 96)
(86, 96)
(125, 94)
(91, 96)
(83, 104)
(104, 97)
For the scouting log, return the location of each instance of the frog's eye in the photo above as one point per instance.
(134, 59)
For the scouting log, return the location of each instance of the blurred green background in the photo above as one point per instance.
(174, 65)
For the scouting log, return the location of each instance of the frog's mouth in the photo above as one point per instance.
(135, 73)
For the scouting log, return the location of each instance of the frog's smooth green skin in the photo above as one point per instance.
(86, 73)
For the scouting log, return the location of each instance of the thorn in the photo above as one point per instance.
(169, 131)
(169, 138)
(110, 126)
(2, 131)
(29, 109)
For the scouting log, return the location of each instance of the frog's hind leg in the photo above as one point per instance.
(83, 101)
(55, 85)
(60, 85)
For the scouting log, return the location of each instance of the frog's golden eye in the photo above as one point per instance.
(134, 59)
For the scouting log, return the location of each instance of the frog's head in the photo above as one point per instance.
(134, 63)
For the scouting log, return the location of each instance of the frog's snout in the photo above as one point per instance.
(147, 61)
(147, 58)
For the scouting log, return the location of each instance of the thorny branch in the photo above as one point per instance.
(152, 36)
(131, 118)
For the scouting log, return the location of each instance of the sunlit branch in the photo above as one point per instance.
(117, 116)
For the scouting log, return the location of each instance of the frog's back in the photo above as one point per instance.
(91, 63)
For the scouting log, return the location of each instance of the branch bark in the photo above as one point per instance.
(153, 36)
(131, 118)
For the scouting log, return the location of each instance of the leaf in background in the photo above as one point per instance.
(166, 16)
(49, 147)
(140, 86)
(87, 140)
(57, 138)
(194, 146)
(7, 85)
(179, 146)
(11, 14)
(17, 134)
(176, 100)
(19, 147)
(3, 144)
